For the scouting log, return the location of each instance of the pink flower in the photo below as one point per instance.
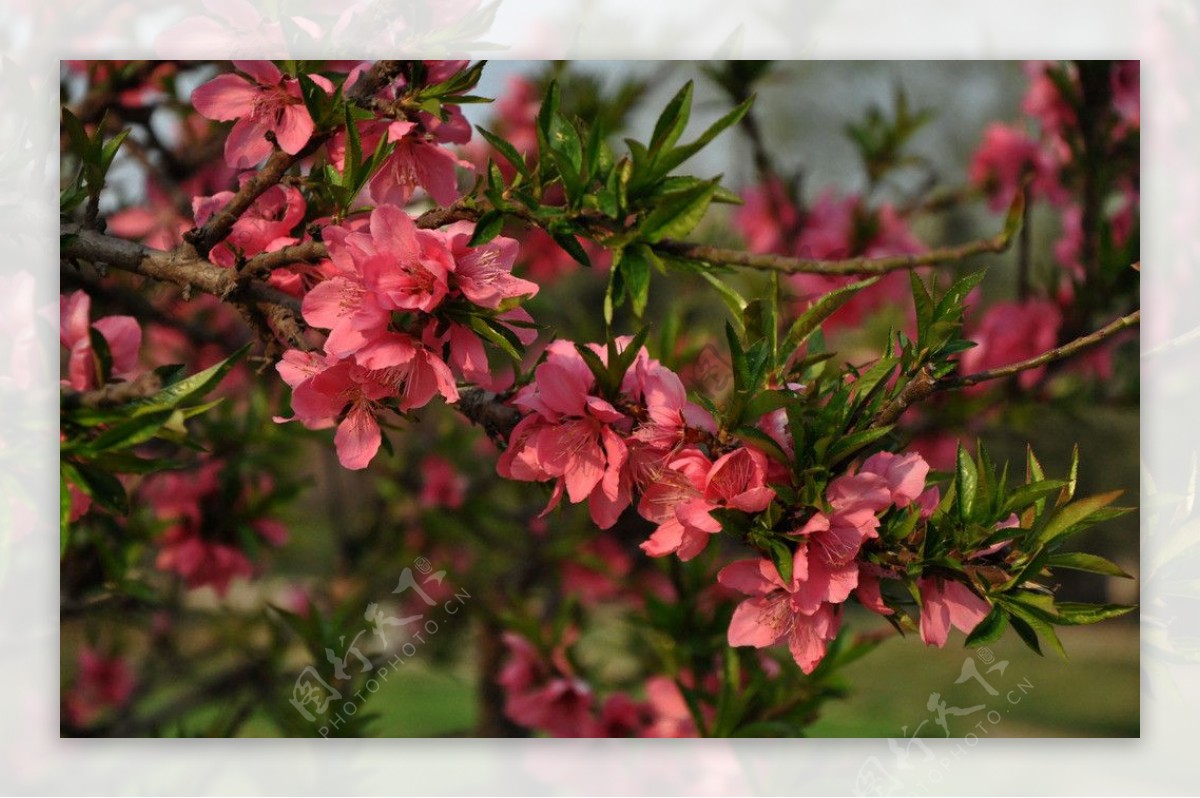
(669, 415)
(854, 501)
(177, 496)
(442, 484)
(1044, 102)
(201, 562)
(905, 474)
(766, 217)
(946, 603)
(835, 227)
(391, 266)
(621, 716)
(868, 593)
(1002, 160)
(121, 333)
(157, 223)
(265, 227)
(483, 274)
(394, 366)
(188, 547)
(104, 683)
(671, 717)
(681, 507)
(1127, 91)
(569, 437)
(801, 612)
(594, 574)
(1011, 332)
(673, 498)
(417, 161)
(539, 696)
(266, 103)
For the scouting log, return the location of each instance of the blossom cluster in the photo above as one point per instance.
(650, 443)
(204, 539)
(599, 449)
(805, 611)
(546, 694)
(387, 304)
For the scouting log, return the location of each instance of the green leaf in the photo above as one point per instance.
(669, 160)
(761, 322)
(924, 304)
(80, 142)
(761, 440)
(507, 150)
(820, 310)
(852, 443)
(197, 385)
(735, 301)
(491, 333)
(767, 402)
(138, 429)
(990, 628)
(672, 120)
(1037, 619)
(101, 356)
(599, 370)
(619, 362)
(488, 227)
(572, 247)
(782, 556)
(64, 513)
(1073, 516)
(1091, 563)
(635, 271)
(1072, 613)
(104, 488)
(109, 150)
(1025, 495)
(875, 376)
(1068, 491)
(675, 215)
(1016, 214)
(1026, 633)
(965, 482)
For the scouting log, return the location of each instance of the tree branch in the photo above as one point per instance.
(779, 263)
(181, 266)
(923, 385)
(204, 238)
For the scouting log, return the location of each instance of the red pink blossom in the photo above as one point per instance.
(121, 333)
(262, 101)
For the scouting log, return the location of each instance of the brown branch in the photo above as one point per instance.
(489, 411)
(114, 393)
(779, 263)
(205, 237)
(1058, 353)
(217, 228)
(180, 266)
(263, 264)
(924, 385)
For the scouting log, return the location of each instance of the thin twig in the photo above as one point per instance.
(1058, 353)
(779, 263)
(181, 266)
(923, 384)
(218, 227)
